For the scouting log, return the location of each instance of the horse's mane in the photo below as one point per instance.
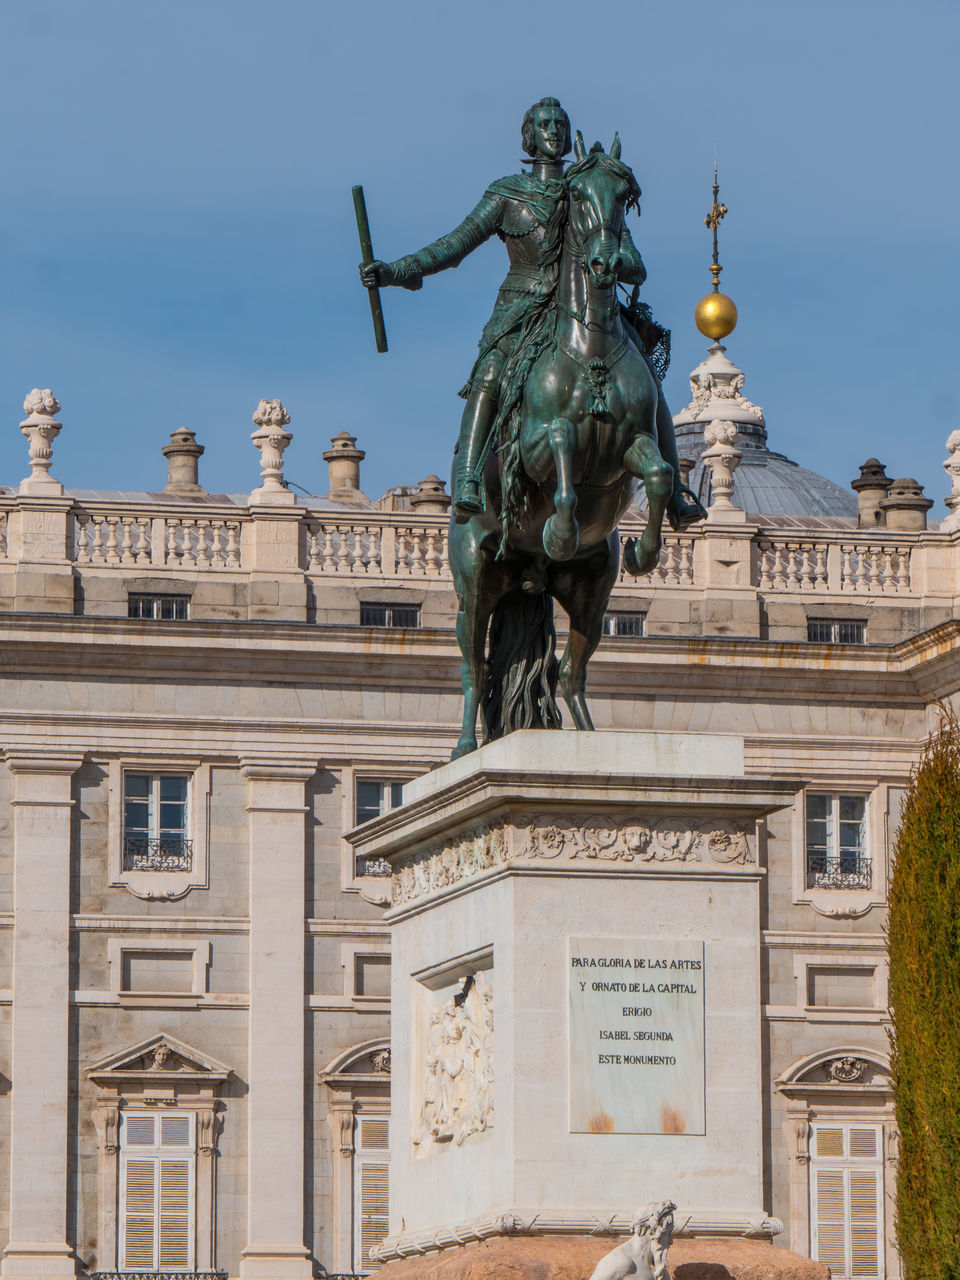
(536, 334)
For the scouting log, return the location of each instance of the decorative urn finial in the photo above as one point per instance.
(41, 429)
(271, 438)
(716, 314)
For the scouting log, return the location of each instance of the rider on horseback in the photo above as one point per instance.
(517, 209)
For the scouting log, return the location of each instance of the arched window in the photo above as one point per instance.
(356, 1086)
(842, 1141)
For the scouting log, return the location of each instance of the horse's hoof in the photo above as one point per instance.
(463, 749)
(637, 559)
(560, 544)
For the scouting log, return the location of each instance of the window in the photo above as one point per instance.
(157, 1228)
(372, 797)
(835, 837)
(846, 1218)
(375, 796)
(835, 631)
(155, 822)
(159, 607)
(389, 615)
(371, 1169)
(623, 624)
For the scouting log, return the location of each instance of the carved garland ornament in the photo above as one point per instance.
(601, 837)
(668, 839)
(457, 860)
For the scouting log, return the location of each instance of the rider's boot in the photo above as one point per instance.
(683, 508)
(467, 500)
(478, 415)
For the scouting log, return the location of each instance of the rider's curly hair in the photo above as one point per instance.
(526, 132)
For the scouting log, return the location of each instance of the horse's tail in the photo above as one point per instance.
(521, 682)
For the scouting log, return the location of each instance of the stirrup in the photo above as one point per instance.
(467, 501)
(680, 513)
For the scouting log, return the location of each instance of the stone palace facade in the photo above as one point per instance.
(202, 693)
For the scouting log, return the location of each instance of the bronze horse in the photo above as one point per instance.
(576, 428)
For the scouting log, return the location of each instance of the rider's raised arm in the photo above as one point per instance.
(450, 250)
(632, 270)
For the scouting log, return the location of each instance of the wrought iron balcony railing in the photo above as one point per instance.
(373, 867)
(169, 853)
(159, 1275)
(844, 871)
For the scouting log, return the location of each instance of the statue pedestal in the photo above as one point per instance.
(576, 988)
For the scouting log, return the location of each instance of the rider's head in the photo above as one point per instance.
(546, 130)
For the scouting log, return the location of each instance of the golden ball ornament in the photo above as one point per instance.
(716, 316)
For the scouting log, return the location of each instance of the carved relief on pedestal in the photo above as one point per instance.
(623, 838)
(447, 864)
(641, 839)
(456, 1095)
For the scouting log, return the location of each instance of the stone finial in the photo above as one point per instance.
(952, 468)
(41, 428)
(905, 508)
(271, 413)
(430, 497)
(723, 458)
(871, 487)
(182, 455)
(344, 462)
(271, 438)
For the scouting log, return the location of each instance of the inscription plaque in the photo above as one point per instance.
(636, 1059)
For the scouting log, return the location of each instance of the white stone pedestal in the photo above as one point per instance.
(576, 987)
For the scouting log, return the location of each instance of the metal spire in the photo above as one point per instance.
(712, 220)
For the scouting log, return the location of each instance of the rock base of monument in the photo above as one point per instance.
(574, 1258)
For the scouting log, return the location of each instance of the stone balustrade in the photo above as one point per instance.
(399, 546)
(870, 565)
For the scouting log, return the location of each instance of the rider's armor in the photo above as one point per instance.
(518, 209)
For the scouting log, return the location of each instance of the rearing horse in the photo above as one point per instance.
(577, 428)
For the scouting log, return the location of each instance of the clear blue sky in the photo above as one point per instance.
(178, 236)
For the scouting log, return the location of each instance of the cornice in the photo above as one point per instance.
(296, 653)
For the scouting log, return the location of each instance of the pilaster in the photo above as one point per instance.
(38, 1245)
(276, 804)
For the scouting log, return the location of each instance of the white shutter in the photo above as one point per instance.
(139, 1131)
(156, 1193)
(845, 1192)
(865, 1244)
(371, 1175)
(175, 1215)
(139, 1196)
(374, 1209)
(374, 1134)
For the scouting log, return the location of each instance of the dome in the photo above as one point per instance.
(765, 483)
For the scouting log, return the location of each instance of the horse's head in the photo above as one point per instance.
(601, 189)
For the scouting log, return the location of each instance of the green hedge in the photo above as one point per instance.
(924, 948)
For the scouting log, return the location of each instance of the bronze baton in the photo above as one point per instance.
(366, 257)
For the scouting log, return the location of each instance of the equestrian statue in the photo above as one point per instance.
(564, 414)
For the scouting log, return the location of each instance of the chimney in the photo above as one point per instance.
(344, 461)
(182, 455)
(905, 507)
(430, 497)
(871, 488)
